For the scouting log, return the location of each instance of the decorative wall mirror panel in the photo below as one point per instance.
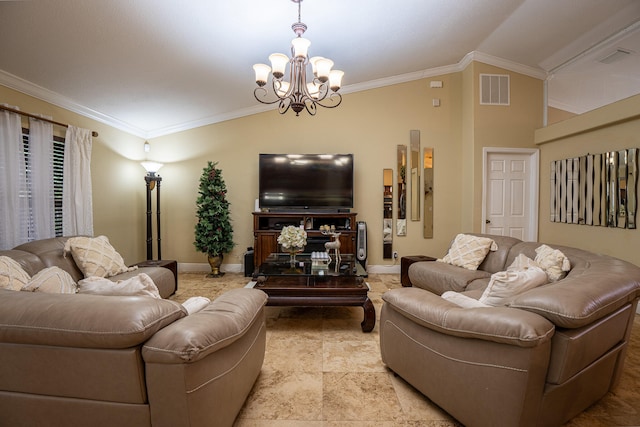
(387, 213)
(414, 147)
(596, 189)
(401, 220)
(428, 192)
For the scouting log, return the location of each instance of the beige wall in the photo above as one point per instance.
(368, 124)
(494, 126)
(610, 128)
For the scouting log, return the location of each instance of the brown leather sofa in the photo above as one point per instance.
(539, 360)
(90, 360)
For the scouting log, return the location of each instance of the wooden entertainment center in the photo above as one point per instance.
(267, 226)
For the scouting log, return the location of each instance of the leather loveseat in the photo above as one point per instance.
(92, 360)
(537, 360)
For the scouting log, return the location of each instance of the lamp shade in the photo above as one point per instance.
(335, 80)
(151, 167)
(262, 73)
(300, 47)
(278, 64)
(282, 90)
(323, 67)
(314, 90)
(313, 60)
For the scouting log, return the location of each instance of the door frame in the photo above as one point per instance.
(533, 162)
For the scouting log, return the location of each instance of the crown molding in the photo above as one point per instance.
(534, 72)
(32, 89)
(28, 88)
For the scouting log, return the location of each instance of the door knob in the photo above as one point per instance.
(486, 221)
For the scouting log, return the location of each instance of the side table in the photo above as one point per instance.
(405, 262)
(171, 264)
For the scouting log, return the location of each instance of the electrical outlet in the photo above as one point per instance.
(395, 254)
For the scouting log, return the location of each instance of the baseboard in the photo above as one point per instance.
(192, 267)
(384, 269)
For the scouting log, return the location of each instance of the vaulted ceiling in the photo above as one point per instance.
(153, 67)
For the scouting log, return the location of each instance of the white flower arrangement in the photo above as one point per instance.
(292, 238)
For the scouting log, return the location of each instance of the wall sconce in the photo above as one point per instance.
(147, 147)
(151, 179)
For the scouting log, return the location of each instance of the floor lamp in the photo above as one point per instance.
(153, 181)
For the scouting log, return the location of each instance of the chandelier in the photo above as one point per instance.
(296, 93)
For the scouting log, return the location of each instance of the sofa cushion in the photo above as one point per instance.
(468, 251)
(521, 276)
(553, 262)
(12, 276)
(85, 321)
(497, 324)
(52, 280)
(439, 277)
(139, 285)
(95, 256)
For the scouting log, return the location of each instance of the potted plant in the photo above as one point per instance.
(213, 232)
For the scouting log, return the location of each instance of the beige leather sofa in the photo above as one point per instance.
(90, 360)
(539, 360)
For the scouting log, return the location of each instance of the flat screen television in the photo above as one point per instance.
(306, 181)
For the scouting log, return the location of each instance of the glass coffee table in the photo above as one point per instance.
(314, 283)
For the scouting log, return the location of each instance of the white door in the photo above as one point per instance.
(510, 193)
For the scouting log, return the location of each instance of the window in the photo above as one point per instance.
(58, 165)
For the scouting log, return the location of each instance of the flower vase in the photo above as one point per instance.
(292, 256)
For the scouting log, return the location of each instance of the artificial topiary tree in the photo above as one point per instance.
(213, 233)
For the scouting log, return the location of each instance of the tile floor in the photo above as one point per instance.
(320, 369)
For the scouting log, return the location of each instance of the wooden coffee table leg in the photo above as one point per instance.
(369, 316)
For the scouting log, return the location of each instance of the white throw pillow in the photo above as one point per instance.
(553, 262)
(469, 251)
(140, 285)
(53, 280)
(463, 300)
(195, 304)
(95, 256)
(523, 274)
(12, 275)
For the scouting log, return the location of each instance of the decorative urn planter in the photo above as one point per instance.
(215, 261)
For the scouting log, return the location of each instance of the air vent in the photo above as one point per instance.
(494, 89)
(615, 56)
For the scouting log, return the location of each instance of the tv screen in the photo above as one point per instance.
(306, 181)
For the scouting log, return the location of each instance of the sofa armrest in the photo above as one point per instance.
(216, 326)
(498, 324)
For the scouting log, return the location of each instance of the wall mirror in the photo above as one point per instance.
(428, 192)
(401, 219)
(596, 189)
(414, 147)
(387, 213)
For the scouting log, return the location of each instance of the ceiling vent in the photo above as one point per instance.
(494, 89)
(615, 56)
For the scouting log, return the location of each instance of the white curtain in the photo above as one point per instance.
(41, 159)
(76, 194)
(13, 184)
